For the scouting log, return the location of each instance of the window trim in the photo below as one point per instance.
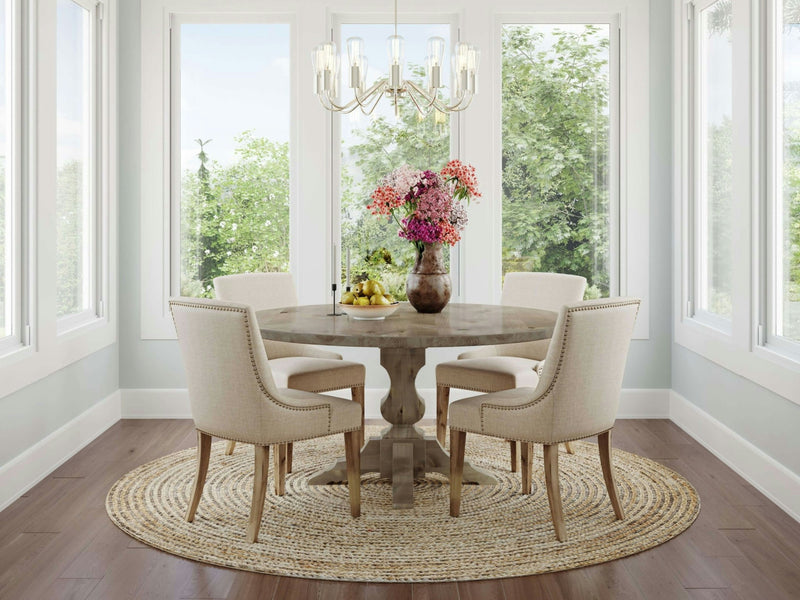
(45, 350)
(158, 18)
(630, 250)
(739, 351)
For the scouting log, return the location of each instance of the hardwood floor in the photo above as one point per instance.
(56, 542)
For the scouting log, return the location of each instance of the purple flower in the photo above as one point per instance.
(416, 230)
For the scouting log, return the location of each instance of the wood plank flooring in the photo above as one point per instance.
(56, 542)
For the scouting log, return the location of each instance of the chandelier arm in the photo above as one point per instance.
(462, 103)
(431, 100)
(423, 110)
(368, 111)
(375, 87)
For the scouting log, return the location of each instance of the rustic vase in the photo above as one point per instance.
(428, 285)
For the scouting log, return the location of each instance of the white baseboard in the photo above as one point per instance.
(174, 403)
(26, 470)
(770, 477)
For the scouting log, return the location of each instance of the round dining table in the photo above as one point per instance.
(403, 452)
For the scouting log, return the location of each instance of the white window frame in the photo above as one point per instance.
(14, 340)
(615, 75)
(771, 263)
(742, 349)
(479, 251)
(160, 235)
(45, 346)
(91, 281)
(629, 193)
(436, 18)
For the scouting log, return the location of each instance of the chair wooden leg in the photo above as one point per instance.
(457, 444)
(568, 447)
(259, 492)
(203, 454)
(604, 444)
(279, 469)
(357, 395)
(442, 400)
(289, 452)
(230, 447)
(353, 456)
(526, 456)
(513, 445)
(554, 489)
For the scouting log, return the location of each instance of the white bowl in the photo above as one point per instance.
(370, 312)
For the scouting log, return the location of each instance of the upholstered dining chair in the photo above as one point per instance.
(234, 396)
(295, 366)
(577, 396)
(507, 366)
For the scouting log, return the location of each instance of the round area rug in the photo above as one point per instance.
(309, 531)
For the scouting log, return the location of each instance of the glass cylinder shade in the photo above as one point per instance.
(355, 51)
(436, 51)
(395, 46)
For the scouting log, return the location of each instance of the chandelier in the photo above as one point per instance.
(464, 65)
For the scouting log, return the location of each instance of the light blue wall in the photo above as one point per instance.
(156, 364)
(763, 418)
(36, 411)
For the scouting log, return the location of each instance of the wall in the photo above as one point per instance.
(31, 414)
(156, 363)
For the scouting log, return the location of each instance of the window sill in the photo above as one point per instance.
(43, 357)
(764, 367)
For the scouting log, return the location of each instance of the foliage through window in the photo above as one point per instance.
(75, 147)
(234, 151)
(373, 147)
(556, 165)
(786, 220)
(714, 162)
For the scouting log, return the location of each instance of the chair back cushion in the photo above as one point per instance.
(231, 390)
(585, 364)
(548, 291)
(262, 291)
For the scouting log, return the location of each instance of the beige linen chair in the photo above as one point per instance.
(577, 396)
(295, 366)
(233, 396)
(507, 366)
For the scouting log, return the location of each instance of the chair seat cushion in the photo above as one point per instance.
(466, 414)
(345, 415)
(316, 374)
(488, 374)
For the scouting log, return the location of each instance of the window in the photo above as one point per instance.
(371, 147)
(230, 169)
(713, 193)
(8, 210)
(783, 206)
(559, 177)
(76, 156)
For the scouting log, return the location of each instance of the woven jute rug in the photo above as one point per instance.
(309, 531)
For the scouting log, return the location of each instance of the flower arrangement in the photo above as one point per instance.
(427, 206)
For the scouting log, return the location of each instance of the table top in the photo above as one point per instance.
(456, 325)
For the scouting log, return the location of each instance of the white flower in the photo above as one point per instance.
(207, 251)
(255, 248)
(234, 226)
(222, 223)
(229, 252)
(268, 223)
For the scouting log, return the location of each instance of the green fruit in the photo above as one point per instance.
(377, 288)
(366, 288)
(363, 301)
(348, 298)
(380, 300)
(357, 289)
(390, 298)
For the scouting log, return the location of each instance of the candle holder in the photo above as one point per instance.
(333, 303)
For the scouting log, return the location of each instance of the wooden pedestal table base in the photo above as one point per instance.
(403, 452)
